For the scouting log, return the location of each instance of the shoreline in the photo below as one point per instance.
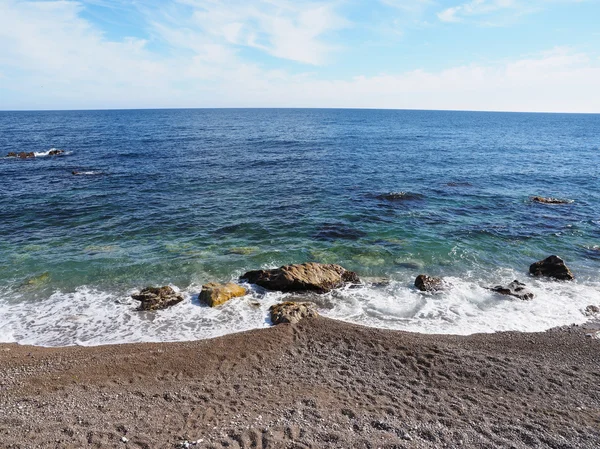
(319, 383)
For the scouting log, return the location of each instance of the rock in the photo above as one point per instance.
(11, 154)
(55, 152)
(23, 155)
(155, 298)
(516, 289)
(312, 276)
(429, 284)
(215, 294)
(553, 267)
(292, 312)
(541, 199)
(591, 310)
(399, 196)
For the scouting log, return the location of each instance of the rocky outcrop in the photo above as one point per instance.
(155, 298)
(541, 199)
(553, 267)
(314, 277)
(214, 294)
(22, 155)
(55, 152)
(292, 312)
(516, 289)
(11, 154)
(429, 284)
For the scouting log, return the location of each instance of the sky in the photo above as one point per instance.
(493, 55)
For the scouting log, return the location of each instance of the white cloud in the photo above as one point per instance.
(51, 58)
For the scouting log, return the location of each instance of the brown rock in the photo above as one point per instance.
(11, 154)
(516, 289)
(215, 294)
(155, 298)
(553, 267)
(24, 155)
(541, 199)
(292, 312)
(315, 277)
(429, 284)
(55, 152)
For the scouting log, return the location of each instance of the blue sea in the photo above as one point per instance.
(186, 197)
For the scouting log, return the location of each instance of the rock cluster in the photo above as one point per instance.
(292, 312)
(516, 289)
(155, 298)
(214, 294)
(315, 277)
(553, 267)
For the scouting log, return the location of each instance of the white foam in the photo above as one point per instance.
(89, 316)
(47, 153)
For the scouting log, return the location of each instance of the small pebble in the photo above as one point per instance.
(124, 439)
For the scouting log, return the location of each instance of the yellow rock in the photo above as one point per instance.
(215, 294)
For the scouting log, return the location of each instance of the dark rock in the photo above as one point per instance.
(292, 312)
(216, 294)
(516, 289)
(591, 310)
(541, 199)
(23, 155)
(459, 184)
(553, 267)
(399, 196)
(155, 298)
(11, 154)
(55, 152)
(429, 284)
(311, 276)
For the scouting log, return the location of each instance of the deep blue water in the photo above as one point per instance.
(191, 196)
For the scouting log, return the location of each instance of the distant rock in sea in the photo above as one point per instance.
(312, 276)
(399, 196)
(541, 199)
(155, 298)
(22, 155)
(553, 267)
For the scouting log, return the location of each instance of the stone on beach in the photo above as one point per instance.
(553, 267)
(543, 200)
(215, 294)
(292, 312)
(429, 284)
(316, 277)
(155, 298)
(516, 289)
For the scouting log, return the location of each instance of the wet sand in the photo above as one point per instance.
(317, 384)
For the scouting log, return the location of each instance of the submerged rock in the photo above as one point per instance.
(553, 267)
(338, 231)
(516, 289)
(541, 199)
(399, 196)
(292, 312)
(215, 294)
(55, 152)
(312, 276)
(429, 284)
(155, 298)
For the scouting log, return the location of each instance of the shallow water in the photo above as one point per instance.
(184, 197)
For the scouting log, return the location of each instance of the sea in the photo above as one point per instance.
(185, 197)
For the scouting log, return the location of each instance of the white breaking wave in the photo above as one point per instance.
(47, 153)
(92, 317)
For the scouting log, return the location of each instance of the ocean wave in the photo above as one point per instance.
(89, 316)
(47, 153)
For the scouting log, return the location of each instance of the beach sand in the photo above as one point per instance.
(317, 384)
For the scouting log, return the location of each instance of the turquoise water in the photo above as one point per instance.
(185, 197)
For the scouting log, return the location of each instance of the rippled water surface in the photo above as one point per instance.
(184, 197)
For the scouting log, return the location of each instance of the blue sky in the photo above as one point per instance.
(509, 55)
